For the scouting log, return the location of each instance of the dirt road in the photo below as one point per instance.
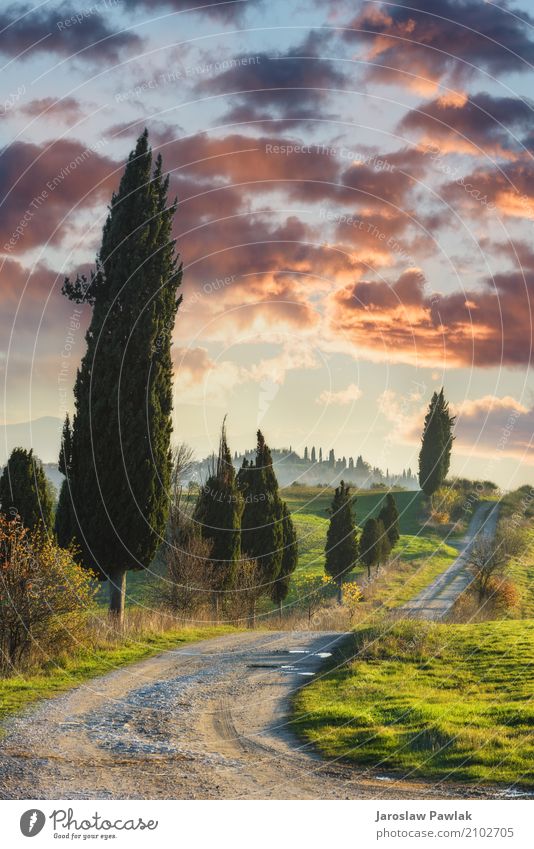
(205, 721)
(437, 599)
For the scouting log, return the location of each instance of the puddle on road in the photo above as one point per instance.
(312, 654)
(289, 669)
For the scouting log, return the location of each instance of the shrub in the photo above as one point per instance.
(240, 602)
(503, 595)
(186, 587)
(352, 597)
(44, 597)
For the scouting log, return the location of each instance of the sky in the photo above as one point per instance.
(355, 213)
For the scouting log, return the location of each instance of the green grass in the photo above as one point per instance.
(428, 700)
(420, 560)
(315, 501)
(521, 571)
(20, 691)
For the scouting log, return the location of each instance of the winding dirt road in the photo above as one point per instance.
(437, 599)
(205, 721)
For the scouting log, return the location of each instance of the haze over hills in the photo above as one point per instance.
(43, 435)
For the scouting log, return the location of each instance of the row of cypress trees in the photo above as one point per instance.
(243, 515)
(344, 550)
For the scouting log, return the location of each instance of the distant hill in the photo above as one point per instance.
(43, 435)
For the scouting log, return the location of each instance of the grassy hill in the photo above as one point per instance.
(428, 700)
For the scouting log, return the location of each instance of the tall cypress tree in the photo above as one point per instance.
(25, 491)
(436, 444)
(262, 533)
(218, 513)
(290, 557)
(341, 546)
(389, 516)
(121, 458)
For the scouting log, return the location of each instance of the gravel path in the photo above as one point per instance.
(437, 599)
(208, 721)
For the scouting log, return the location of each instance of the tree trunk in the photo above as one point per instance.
(340, 593)
(280, 610)
(252, 618)
(117, 592)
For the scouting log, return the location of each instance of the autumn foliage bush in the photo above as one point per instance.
(44, 597)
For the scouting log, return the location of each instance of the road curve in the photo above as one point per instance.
(207, 721)
(437, 599)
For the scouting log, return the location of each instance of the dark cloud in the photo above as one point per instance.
(27, 31)
(481, 123)
(41, 184)
(292, 87)
(421, 41)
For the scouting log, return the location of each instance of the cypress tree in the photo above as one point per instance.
(384, 544)
(262, 534)
(341, 546)
(218, 513)
(436, 444)
(370, 550)
(289, 559)
(121, 457)
(64, 525)
(25, 491)
(389, 516)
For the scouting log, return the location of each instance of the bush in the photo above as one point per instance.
(503, 596)
(240, 602)
(186, 587)
(44, 597)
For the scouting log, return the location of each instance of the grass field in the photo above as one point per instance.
(428, 700)
(521, 571)
(421, 554)
(421, 551)
(19, 691)
(315, 501)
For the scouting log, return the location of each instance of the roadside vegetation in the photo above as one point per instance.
(426, 700)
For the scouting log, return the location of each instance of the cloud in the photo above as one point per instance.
(481, 123)
(68, 110)
(509, 187)
(422, 42)
(490, 426)
(287, 88)
(195, 362)
(41, 184)
(400, 322)
(28, 31)
(341, 398)
(495, 427)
